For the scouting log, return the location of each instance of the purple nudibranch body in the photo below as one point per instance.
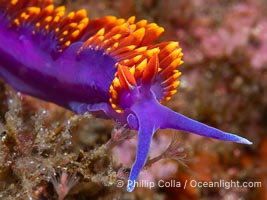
(107, 66)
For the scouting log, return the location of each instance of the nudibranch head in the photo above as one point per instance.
(109, 65)
(146, 76)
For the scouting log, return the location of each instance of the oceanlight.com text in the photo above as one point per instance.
(192, 183)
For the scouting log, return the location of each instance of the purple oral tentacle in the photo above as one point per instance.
(150, 115)
(145, 134)
(146, 130)
(180, 122)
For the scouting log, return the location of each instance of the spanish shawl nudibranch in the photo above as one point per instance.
(106, 65)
